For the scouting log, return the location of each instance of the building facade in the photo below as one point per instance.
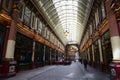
(101, 39)
(26, 39)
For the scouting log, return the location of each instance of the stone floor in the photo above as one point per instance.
(75, 71)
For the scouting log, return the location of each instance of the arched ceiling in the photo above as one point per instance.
(67, 15)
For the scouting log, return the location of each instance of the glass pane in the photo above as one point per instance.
(27, 16)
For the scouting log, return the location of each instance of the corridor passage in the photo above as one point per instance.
(75, 71)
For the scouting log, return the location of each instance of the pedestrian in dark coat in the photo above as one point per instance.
(85, 64)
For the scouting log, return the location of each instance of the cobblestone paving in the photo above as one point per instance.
(75, 71)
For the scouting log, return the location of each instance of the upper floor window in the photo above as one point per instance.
(45, 30)
(21, 11)
(39, 26)
(33, 21)
(47, 34)
(7, 5)
(90, 27)
(93, 25)
(96, 18)
(103, 10)
(87, 35)
(0, 2)
(51, 36)
(27, 16)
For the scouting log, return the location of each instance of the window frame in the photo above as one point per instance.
(7, 6)
(29, 17)
(33, 21)
(103, 8)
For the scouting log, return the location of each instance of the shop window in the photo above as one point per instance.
(2, 36)
(23, 51)
(7, 5)
(47, 55)
(39, 51)
(96, 54)
(53, 56)
(27, 16)
(106, 48)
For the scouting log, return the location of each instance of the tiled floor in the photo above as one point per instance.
(75, 71)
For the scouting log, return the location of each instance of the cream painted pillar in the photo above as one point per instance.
(100, 50)
(11, 42)
(115, 41)
(33, 57)
(33, 52)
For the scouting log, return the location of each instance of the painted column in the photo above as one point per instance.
(44, 55)
(101, 57)
(9, 65)
(12, 34)
(100, 50)
(33, 53)
(11, 42)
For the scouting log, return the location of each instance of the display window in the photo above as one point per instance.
(38, 56)
(96, 54)
(47, 55)
(106, 50)
(2, 38)
(23, 51)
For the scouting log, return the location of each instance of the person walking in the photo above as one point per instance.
(85, 64)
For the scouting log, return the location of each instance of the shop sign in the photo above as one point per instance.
(13, 62)
(113, 72)
(11, 68)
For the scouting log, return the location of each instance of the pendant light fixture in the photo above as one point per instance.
(66, 31)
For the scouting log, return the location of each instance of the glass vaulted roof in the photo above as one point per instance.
(66, 16)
